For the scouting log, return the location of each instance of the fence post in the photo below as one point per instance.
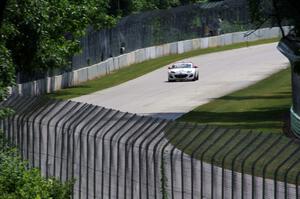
(286, 178)
(78, 113)
(278, 168)
(37, 114)
(258, 158)
(55, 103)
(235, 158)
(159, 129)
(163, 178)
(140, 147)
(103, 154)
(97, 131)
(74, 106)
(171, 158)
(227, 154)
(182, 152)
(297, 184)
(40, 103)
(203, 154)
(48, 134)
(213, 159)
(110, 150)
(129, 130)
(244, 161)
(144, 129)
(147, 148)
(211, 133)
(73, 145)
(271, 160)
(18, 105)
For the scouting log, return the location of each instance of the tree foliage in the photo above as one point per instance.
(43, 34)
(125, 7)
(278, 11)
(19, 182)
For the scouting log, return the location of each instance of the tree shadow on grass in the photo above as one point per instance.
(259, 119)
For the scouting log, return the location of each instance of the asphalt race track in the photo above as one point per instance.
(219, 74)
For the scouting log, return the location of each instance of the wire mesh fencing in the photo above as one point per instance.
(162, 26)
(153, 28)
(112, 154)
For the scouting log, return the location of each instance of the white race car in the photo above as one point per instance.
(183, 71)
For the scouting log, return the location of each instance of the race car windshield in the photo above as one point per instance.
(182, 65)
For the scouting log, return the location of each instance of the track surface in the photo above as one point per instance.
(219, 74)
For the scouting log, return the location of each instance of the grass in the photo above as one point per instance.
(245, 129)
(137, 70)
(263, 106)
(271, 155)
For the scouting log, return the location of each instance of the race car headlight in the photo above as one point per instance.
(189, 71)
(172, 72)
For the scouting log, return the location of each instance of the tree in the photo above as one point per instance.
(19, 182)
(36, 35)
(44, 34)
(284, 12)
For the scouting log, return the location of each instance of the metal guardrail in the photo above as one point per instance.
(121, 155)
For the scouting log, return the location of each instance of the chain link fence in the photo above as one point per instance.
(162, 26)
(154, 28)
(121, 155)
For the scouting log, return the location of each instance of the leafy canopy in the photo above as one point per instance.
(43, 34)
(278, 11)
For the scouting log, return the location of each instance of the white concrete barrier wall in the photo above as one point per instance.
(79, 76)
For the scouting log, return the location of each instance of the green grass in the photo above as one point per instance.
(241, 150)
(263, 106)
(137, 70)
(249, 123)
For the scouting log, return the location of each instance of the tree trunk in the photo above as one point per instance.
(296, 88)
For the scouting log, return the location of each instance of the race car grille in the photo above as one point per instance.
(181, 76)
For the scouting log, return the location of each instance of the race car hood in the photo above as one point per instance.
(182, 70)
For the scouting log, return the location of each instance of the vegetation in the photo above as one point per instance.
(36, 36)
(42, 35)
(262, 107)
(136, 70)
(278, 11)
(125, 7)
(269, 155)
(19, 182)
